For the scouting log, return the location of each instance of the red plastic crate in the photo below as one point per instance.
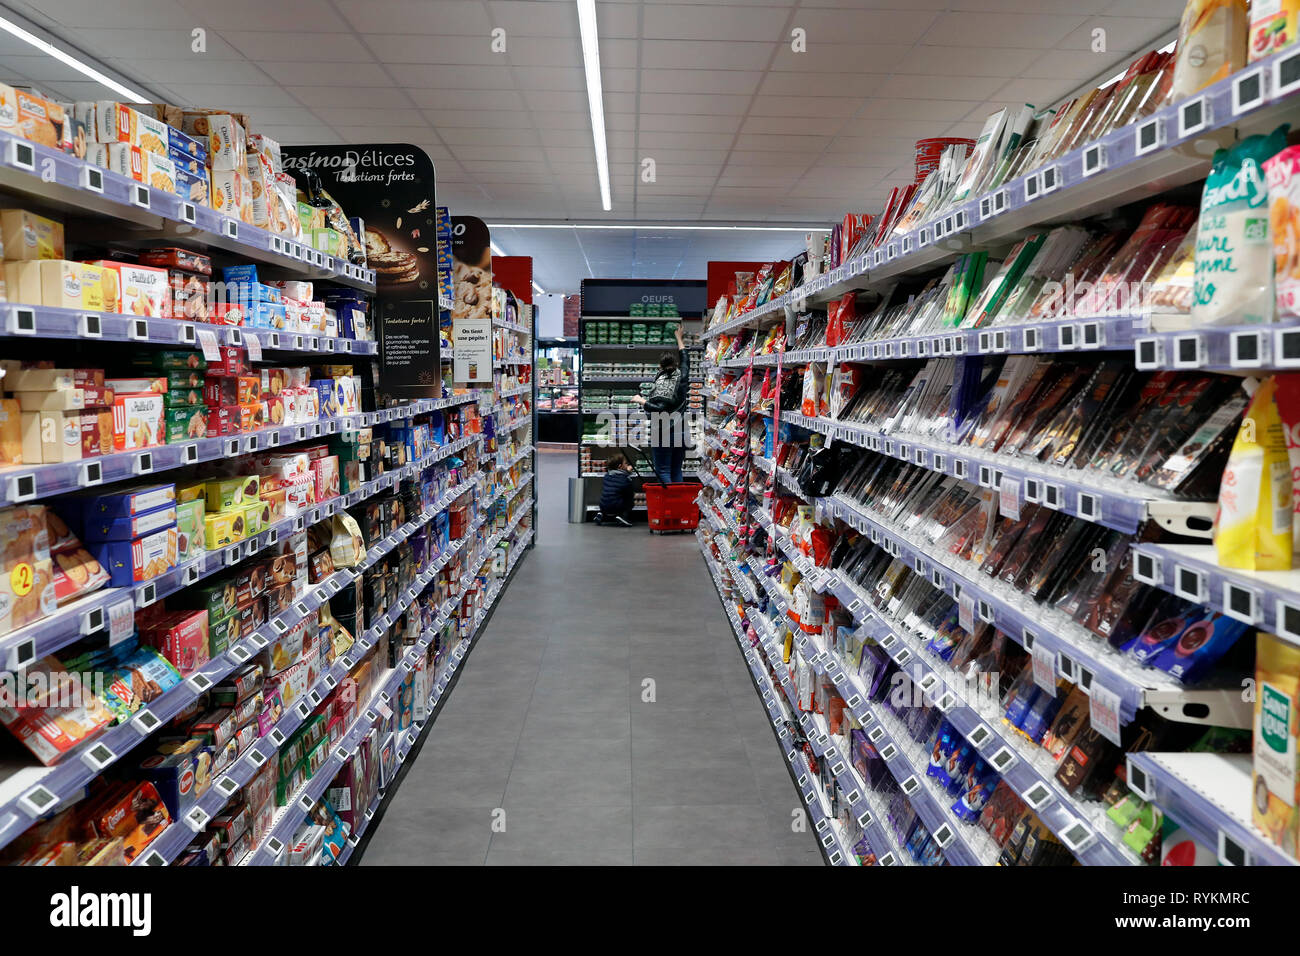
(672, 507)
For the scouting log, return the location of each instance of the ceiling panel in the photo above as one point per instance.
(741, 125)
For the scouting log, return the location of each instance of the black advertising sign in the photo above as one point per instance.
(390, 187)
(616, 296)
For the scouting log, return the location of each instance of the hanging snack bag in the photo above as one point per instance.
(1234, 268)
(814, 387)
(1252, 528)
(1282, 173)
(1211, 45)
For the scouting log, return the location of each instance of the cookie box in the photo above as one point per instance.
(257, 515)
(28, 236)
(222, 634)
(223, 421)
(51, 437)
(222, 528)
(131, 501)
(223, 494)
(51, 733)
(182, 637)
(76, 574)
(139, 290)
(238, 686)
(181, 397)
(180, 778)
(189, 296)
(126, 527)
(231, 195)
(136, 560)
(138, 420)
(290, 683)
(190, 147)
(192, 187)
(251, 618)
(226, 139)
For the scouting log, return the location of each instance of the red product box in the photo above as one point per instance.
(227, 313)
(172, 257)
(182, 637)
(189, 296)
(252, 417)
(219, 390)
(230, 361)
(223, 421)
(326, 473)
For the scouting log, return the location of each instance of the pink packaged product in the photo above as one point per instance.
(326, 473)
(270, 714)
(1283, 174)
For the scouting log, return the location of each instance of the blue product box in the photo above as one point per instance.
(178, 142)
(130, 501)
(245, 273)
(247, 293)
(126, 527)
(185, 163)
(264, 315)
(329, 408)
(192, 187)
(126, 561)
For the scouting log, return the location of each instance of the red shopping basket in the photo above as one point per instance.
(672, 507)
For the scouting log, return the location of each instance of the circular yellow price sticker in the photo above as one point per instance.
(21, 579)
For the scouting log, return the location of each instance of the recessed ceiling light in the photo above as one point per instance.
(68, 59)
(595, 97)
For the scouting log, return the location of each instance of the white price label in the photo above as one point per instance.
(1009, 497)
(208, 343)
(1044, 666)
(1103, 712)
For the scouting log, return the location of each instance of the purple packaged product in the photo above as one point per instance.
(1027, 693)
(931, 854)
(1171, 618)
(872, 669)
(125, 527)
(178, 142)
(945, 742)
(977, 786)
(959, 764)
(1040, 716)
(128, 502)
(916, 839)
(1199, 648)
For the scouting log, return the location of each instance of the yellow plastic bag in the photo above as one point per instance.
(1253, 525)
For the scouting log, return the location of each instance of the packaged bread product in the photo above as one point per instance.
(1211, 45)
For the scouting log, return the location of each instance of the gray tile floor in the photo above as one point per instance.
(546, 754)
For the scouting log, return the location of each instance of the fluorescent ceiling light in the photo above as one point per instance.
(496, 250)
(651, 227)
(66, 58)
(595, 98)
(538, 288)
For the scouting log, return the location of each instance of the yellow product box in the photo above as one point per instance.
(23, 282)
(61, 283)
(257, 515)
(28, 236)
(227, 494)
(1276, 767)
(192, 491)
(9, 110)
(54, 400)
(222, 528)
(51, 437)
(11, 432)
(261, 186)
(231, 195)
(92, 288)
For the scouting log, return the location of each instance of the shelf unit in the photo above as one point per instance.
(1207, 794)
(93, 201)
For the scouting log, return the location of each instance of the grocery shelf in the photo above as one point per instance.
(1210, 796)
(1080, 656)
(1171, 147)
(289, 817)
(112, 609)
(1269, 600)
(829, 834)
(47, 322)
(1123, 506)
(58, 181)
(24, 483)
(28, 793)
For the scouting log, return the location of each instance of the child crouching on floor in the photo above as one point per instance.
(616, 492)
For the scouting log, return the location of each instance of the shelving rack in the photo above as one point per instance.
(1207, 794)
(609, 300)
(98, 205)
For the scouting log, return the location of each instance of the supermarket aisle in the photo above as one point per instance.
(548, 723)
